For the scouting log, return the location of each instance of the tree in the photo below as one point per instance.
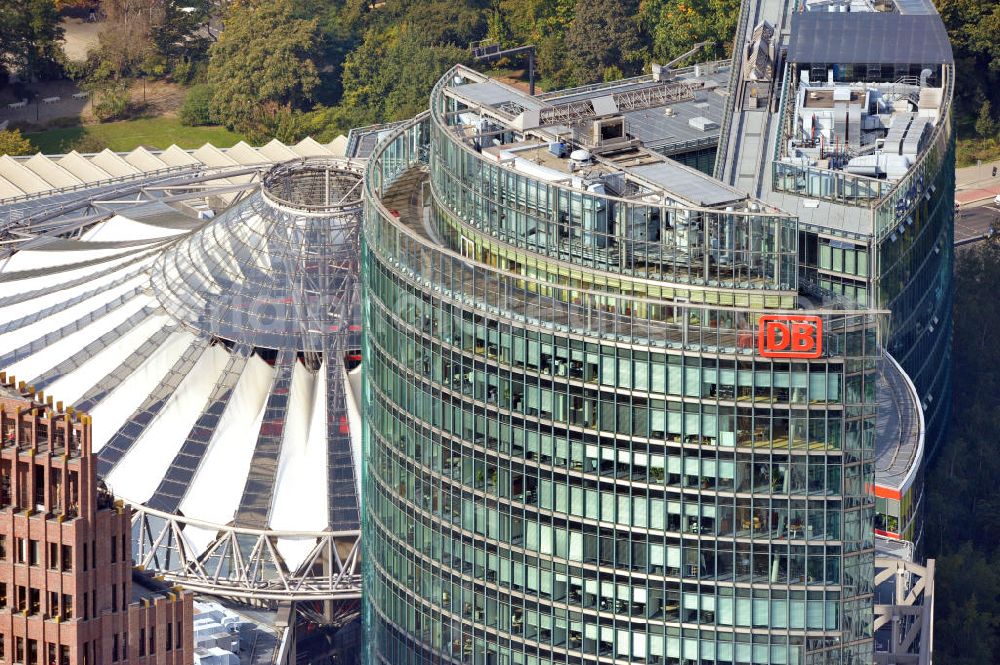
(151, 38)
(601, 35)
(341, 27)
(674, 26)
(262, 67)
(12, 143)
(390, 75)
(986, 126)
(197, 108)
(30, 37)
(126, 41)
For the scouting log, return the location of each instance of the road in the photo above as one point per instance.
(973, 223)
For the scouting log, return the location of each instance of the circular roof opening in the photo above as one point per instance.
(313, 185)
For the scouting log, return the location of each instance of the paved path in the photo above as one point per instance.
(977, 184)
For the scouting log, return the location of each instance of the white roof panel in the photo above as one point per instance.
(54, 174)
(174, 156)
(338, 146)
(113, 164)
(217, 486)
(110, 413)
(242, 153)
(24, 178)
(144, 160)
(209, 155)
(276, 151)
(82, 167)
(8, 190)
(309, 147)
(138, 474)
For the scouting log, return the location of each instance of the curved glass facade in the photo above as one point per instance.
(574, 450)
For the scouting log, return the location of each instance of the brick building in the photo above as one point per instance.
(68, 593)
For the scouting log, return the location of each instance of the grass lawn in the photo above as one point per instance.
(968, 150)
(129, 134)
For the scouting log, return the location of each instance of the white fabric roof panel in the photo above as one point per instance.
(301, 467)
(353, 395)
(64, 274)
(174, 156)
(36, 259)
(276, 151)
(110, 414)
(38, 329)
(20, 175)
(9, 190)
(242, 153)
(139, 472)
(51, 172)
(83, 168)
(217, 487)
(209, 155)
(144, 160)
(309, 147)
(113, 164)
(17, 310)
(71, 387)
(120, 228)
(338, 146)
(35, 364)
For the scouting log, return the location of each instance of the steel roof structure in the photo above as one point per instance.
(215, 355)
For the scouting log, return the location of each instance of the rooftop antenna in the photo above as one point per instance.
(488, 50)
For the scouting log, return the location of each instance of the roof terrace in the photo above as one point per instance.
(607, 139)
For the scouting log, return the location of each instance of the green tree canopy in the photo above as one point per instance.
(962, 526)
(986, 126)
(12, 143)
(974, 30)
(261, 67)
(602, 35)
(390, 75)
(30, 38)
(674, 26)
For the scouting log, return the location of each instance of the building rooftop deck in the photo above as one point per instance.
(899, 429)
(660, 117)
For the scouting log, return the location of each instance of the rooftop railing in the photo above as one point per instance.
(401, 241)
(891, 201)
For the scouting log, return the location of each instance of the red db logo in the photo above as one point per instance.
(790, 336)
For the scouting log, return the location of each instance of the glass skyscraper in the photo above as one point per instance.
(616, 410)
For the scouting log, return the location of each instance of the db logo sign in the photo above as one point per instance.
(790, 336)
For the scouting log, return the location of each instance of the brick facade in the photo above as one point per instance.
(66, 577)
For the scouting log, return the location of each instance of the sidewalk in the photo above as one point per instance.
(977, 183)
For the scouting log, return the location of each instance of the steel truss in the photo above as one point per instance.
(629, 100)
(239, 562)
(244, 562)
(910, 612)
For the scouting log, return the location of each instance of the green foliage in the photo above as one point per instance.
(986, 126)
(340, 28)
(30, 37)
(197, 108)
(262, 66)
(12, 143)
(89, 143)
(110, 99)
(973, 26)
(963, 498)
(674, 26)
(151, 38)
(390, 75)
(602, 35)
(968, 151)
